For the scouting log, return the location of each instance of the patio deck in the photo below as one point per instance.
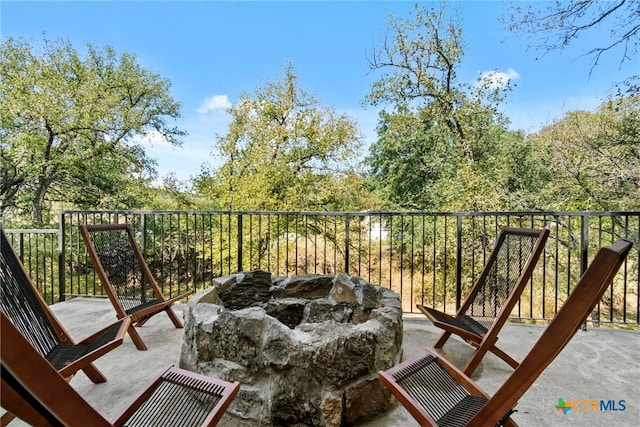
(599, 364)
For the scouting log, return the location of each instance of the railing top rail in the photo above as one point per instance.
(357, 213)
(31, 231)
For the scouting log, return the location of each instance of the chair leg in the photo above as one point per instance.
(488, 342)
(481, 350)
(475, 360)
(174, 318)
(6, 418)
(94, 374)
(504, 356)
(137, 340)
(443, 339)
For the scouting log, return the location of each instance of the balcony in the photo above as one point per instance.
(600, 364)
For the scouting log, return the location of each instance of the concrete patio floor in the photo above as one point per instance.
(599, 364)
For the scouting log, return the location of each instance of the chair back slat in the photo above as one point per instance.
(37, 393)
(561, 330)
(507, 262)
(418, 382)
(125, 276)
(195, 405)
(116, 253)
(20, 302)
(430, 386)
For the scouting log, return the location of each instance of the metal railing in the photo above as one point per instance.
(38, 250)
(429, 258)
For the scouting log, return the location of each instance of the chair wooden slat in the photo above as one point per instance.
(493, 296)
(36, 393)
(126, 277)
(437, 380)
(24, 306)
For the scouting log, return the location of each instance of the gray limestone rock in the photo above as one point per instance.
(306, 350)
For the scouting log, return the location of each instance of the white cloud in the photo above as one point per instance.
(213, 103)
(497, 79)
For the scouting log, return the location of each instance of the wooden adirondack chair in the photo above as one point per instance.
(126, 277)
(34, 391)
(436, 393)
(24, 306)
(493, 296)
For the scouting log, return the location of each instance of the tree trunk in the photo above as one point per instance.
(38, 200)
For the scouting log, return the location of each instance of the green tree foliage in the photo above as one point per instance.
(419, 58)
(415, 166)
(594, 158)
(174, 194)
(284, 151)
(411, 161)
(445, 146)
(71, 126)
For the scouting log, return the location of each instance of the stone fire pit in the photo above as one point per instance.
(306, 350)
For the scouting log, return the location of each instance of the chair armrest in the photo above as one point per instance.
(121, 330)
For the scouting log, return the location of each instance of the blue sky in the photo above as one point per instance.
(212, 51)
